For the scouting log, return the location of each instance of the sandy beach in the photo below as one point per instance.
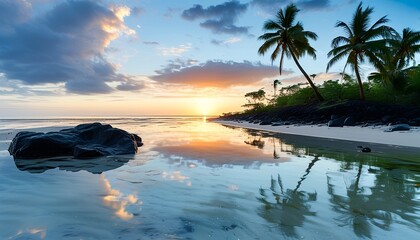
(375, 134)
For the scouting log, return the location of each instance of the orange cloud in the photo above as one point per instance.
(216, 74)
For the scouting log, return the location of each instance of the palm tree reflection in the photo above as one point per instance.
(287, 208)
(390, 198)
(256, 141)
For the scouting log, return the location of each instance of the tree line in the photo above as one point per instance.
(378, 44)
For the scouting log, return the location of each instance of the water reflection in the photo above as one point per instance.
(287, 208)
(39, 233)
(119, 202)
(177, 176)
(389, 197)
(367, 191)
(216, 153)
(192, 180)
(94, 165)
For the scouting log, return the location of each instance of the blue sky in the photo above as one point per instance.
(137, 57)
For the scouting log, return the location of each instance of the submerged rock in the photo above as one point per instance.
(82, 141)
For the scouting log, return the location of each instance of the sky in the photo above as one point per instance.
(70, 58)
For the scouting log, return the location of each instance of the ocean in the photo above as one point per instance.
(195, 179)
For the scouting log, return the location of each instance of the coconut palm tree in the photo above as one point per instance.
(360, 42)
(290, 39)
(402, 50)
(406, 47)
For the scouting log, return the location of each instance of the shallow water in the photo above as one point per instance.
(195, 179)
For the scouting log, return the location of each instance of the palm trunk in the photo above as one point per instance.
(359, 80)
(318, 95)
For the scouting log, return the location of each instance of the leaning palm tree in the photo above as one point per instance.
(360, 42)
(290, 39)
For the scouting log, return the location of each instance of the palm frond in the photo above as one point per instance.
(267, 36)
(381, 21)
(335, 59)
(337, 50)
(338, 41)
(346, 28)
(290, 13)
(267, 45)
(271, 25)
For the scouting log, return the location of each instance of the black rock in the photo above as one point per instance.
(82, 141)
(402, 121)
(399, 127)
(415, 122)
(386, 119)
(334, 117)
(336, 122)
(364, 149)
(349, 121)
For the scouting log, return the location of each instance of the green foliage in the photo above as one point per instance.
(413, 80)
(255, 99)
(347, 89)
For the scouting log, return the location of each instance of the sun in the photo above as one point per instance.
(204, 106)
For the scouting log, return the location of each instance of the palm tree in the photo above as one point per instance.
(360, 42)
(406, 47)
(402, 50)
(290, 39)
(275, 83)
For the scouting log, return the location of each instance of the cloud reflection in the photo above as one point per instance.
(118, 202)
(29, 233)
(177, 176)
(217, 153)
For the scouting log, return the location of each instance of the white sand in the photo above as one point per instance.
(358, 134)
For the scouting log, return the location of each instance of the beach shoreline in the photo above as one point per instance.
(369, 134)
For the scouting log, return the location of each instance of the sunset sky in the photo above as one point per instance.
(157, 57)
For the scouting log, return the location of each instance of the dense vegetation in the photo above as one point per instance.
(395, 81)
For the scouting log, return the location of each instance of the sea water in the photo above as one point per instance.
(195, 179)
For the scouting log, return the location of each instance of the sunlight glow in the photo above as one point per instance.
(204, 106)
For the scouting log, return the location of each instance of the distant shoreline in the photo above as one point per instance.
(376, 135)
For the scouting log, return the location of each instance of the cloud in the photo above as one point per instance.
(227, 41)
(269, 6)
(66, 45)
(171, 12)
(215, 74)
(176, 65)
(130, 86)
(150, 43)
(218, 18)
(138, 11)
(320, 78)
(313, 4)
(272, 6)
(175, 51)
(13, 12)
